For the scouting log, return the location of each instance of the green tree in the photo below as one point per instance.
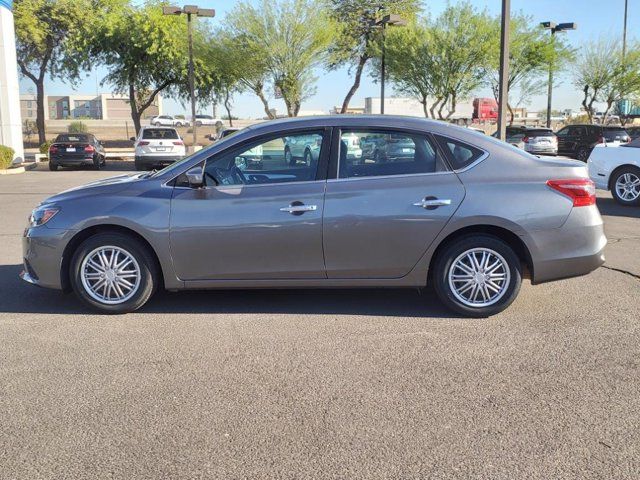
(605, 75)
(292, 36)
(442, 58)
(532, 51)
(46, 31)
(357, 36)
(144, 51)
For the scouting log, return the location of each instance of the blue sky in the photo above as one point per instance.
(595, 18)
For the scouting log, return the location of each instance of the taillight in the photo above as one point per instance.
(178, 142)
(53, 149)
(142, 143)
(89, 149)
(525, 139)
(581, 191)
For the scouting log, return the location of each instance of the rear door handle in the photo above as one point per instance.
(430, 203)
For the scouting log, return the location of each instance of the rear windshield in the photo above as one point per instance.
(159, 133)
(615, 134)
(72, 138)
(539, 133)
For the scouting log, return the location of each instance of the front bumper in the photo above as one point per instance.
(42, 250)
(574, 249)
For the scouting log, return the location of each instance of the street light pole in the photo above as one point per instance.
(553, 28)
(189, 11)
(390, 19)
(503, 88)
(624, 31)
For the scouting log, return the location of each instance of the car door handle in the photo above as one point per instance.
(299, 209)
(431, 203)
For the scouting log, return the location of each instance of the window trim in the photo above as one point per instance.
(334, 166)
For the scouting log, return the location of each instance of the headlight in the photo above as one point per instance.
(42, 215)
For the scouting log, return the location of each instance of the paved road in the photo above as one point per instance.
(319, 384)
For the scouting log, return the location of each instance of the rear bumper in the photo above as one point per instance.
(79, 160)
(541, 150)
(157, 159)
(574, 249)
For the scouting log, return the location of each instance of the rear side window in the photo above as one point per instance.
(159, 134)
(615, 135)
(460, 154)
(377, 153)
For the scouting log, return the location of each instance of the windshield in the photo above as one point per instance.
(159, 133)
(72, 138)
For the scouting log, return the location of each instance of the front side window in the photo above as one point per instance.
(281, 159)
(460, 154)
(377, 153)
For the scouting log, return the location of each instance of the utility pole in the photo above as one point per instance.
(553, 28)
(503, 88)
(624, 31)
(189, 11)
(390, 19)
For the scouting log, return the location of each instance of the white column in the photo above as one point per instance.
(10, 119)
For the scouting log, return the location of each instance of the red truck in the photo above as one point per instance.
(485, 109)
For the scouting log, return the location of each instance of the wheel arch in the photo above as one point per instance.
(88, 232)
(615, 171)
(502, 233)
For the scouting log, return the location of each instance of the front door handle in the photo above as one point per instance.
(298, 208)
(430, 203)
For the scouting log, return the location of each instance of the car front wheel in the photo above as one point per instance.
(477, 275)
(625, 186)
(583, 154)
(113, 273)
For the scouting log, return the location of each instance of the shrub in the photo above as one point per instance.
(77, 127)
(6, 157)
(44, 148)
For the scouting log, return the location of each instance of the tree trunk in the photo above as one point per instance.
(442, 105)
(423, 101)
(434, 105)
(258, 91)
(584, 102)
(227, 106)
(453, 107)
(135, 114)
(510, 108)
(40, 124)
(356, 83)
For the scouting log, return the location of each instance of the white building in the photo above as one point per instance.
(412, 107)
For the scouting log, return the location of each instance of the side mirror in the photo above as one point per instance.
(133, 139)
(195, 177)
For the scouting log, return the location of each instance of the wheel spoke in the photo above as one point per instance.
(110, 275)
(479, 277)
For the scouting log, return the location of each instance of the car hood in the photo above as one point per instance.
(111, 184)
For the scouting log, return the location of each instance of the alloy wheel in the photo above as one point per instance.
(110, 275)
(479, 277)
(628, 187)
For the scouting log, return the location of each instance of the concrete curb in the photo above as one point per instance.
(17, 170)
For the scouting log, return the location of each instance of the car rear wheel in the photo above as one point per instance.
(583, 154)
(53, 166)
(138, 164)
(477, 275)
(625, 186)
(157, 124)
(113, 273)
(308, 159)
(288, 157)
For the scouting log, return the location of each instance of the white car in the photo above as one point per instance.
(207, 120)
(170, 121)
(617, 169)
(156, 146)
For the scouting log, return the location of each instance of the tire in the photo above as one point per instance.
(157, 124)
(582, 154)
(138, 164)
(509, 269)
(178, 124)
(308, 158)
(96, 163)
(288, 157)
(625, 186)
(198, 124)
(144, 284)
(53, 166)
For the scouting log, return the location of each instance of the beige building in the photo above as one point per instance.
(105, 106)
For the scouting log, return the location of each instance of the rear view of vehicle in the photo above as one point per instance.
(540, 141)
(578, 141)
(75, 150)
(158, 146)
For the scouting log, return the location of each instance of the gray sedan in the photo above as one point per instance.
(460, 211)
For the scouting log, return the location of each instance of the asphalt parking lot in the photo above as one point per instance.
(319, 384)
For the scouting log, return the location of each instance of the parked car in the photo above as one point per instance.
(618, 170)
(465, 213)
(73, 149)
(155, 146)
(305, 148)
(535, 140)
(387, 147)
(206, 120)
(170, 121)
(578, 141)
(228, 131)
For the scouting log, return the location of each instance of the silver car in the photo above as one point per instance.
(465, 213)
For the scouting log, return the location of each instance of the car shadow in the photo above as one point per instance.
(609, 207)
(17, 296)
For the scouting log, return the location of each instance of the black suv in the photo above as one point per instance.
(577, 141)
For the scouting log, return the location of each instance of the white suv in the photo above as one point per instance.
(157, 146)
(206, 120)
(170, 121)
